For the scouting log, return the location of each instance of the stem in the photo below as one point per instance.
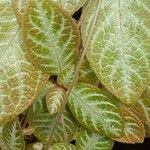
(75, 80)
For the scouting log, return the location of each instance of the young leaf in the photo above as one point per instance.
(35, 146)
(51, 37)
(96, 110)
(40, 119)
(20, 81)
(54, 99)
(118, 50)
(92, 141)
(134, 128)
(62, 146)
(13, 136)
(71, 5)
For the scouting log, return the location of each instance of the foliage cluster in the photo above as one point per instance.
(69, 84)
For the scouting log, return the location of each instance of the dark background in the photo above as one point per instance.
(143, 146)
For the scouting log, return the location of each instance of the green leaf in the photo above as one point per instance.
(51, 37)
(62, 146)
(42, 121)
(2, 144)
(71, 5)
(20, 81)
(13, 136)
(144, 102)
(118, 50)
(86, 74)
(92, 141)
(55, 99)
(134, 128)
(19, 8)
(96, 110)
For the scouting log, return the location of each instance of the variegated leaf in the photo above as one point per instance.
(96, 110)
(118, 49)
(86, 73)
(51, 37)
(71, 5)
(62, 146)
(13, 136)
(2, 144)
(92, 141)
(134, 128)
(138, 110)
(144, 102)
(19, 8)
(40, 119)
(55, 99)
(35, 146)
(20, 81)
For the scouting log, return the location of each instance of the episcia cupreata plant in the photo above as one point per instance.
(69, 84)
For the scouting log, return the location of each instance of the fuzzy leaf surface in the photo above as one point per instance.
(144, 102)
(42, 121)
(118, 50)
(13, 136)
(20, 81)
(71, 5)
(134, 128)
(51, 37)
(86, 73)
(19, 8)
(55, 99)
(63, 146)
(92, 141)
(96, 110)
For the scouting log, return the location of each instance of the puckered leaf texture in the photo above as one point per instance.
(43, 122)
(96, 110)
(118, 50)
(71, 5)
(144, 102)
(19, 8)
(51, 37)
(134, 131)
(63, 146)
(20, 81)
(92, 141)
(86, 74)
(13, 136)
(55, 99)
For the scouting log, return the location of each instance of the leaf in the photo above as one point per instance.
(35, 146)
(144, 102)
(62, 146)
(13, 136)
(2, 144)
(66, 77)
(118, 50)
(71, 5)
(40, 119)
(86, 74)
(51, 37)
(139, 112)
(55, 99)
(19, 8)
(134, 128)
(20, 81)
(92, 141)
(96, 110)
